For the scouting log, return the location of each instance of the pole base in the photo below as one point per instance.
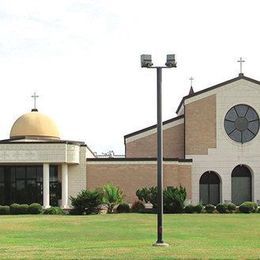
(161, 244)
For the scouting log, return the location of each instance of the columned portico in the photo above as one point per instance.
(46, 185)
(64, 187)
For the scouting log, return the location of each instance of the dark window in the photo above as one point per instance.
(24, 184)
(241, 123)
(241, 185)
(55, 186)
(209, 188)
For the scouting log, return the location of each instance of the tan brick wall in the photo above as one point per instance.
(130, 177)
(173, 144)
(200, 126)
(77, 174)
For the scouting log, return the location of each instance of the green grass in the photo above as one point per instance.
(130, 236)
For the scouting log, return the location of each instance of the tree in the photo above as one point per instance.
(111, 196)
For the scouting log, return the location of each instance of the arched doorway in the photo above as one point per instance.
(209, 188)
(241, 184)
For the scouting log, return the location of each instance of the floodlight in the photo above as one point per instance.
(170, 61)
(146, 61)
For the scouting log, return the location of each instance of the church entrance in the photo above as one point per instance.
(24, 184)
(241, 184)
(209, 188)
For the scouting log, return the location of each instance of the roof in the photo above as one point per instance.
(25, 140)
(241, 76)
(153, 126)
(35, 124)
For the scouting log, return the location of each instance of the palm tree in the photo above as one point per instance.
(112, 196)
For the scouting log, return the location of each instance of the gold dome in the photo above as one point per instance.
(35, 124)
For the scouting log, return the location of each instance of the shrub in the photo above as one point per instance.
(173, 199)
(209, 208)
(147, 195)
(53, 211)
(86, 202)
(198, 208)
(123, 208)
(138, 206)
(23, 209)
(35, 208)
(4, 210)
(222, 208)
(189, 209)
(231, 207)
(248, 207)
(144, 194)
(14, 208)
(111, 196)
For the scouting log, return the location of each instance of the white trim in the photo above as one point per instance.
(154, 130)
(65, 186)
(46, 185)
(217, 90)
(138, 162)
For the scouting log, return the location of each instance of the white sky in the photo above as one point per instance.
(83, 59)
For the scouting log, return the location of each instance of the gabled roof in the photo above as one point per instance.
(153, 126)
(241, 76)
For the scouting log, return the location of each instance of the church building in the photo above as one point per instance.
(211, 147)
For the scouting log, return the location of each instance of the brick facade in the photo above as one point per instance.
(130, 176)
(200, 125)
(146, 146)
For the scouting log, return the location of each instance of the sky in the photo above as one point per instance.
(83, 60)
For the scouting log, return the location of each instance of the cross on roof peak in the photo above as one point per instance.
(241, 62)
(191, 79)
(34, 96)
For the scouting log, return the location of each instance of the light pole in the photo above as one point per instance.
(146, 62)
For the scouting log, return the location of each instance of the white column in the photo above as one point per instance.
(64, 187)
(46, 185)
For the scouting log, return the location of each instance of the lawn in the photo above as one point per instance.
(130, 236)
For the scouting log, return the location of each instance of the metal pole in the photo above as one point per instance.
(159, 159)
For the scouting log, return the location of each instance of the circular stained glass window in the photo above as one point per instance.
(241, 123)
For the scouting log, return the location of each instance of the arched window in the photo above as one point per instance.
(241, 184)
(210, 188)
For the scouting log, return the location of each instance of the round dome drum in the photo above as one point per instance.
(35, 124)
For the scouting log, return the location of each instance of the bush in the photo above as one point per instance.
(53, 211)
(148, 195)
(209, 208)
(189, 209)
(144, 194)
(173, 199)
(4, 210)
(138, 206)
(231, 207)
(222, 208)
(111, 196)
(198, 208)
(86, 202)
(248, 207)
(14, 209)
(23, 209)
(123, 208)
(35, 208)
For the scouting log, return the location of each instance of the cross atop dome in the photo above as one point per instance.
(34, 96)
